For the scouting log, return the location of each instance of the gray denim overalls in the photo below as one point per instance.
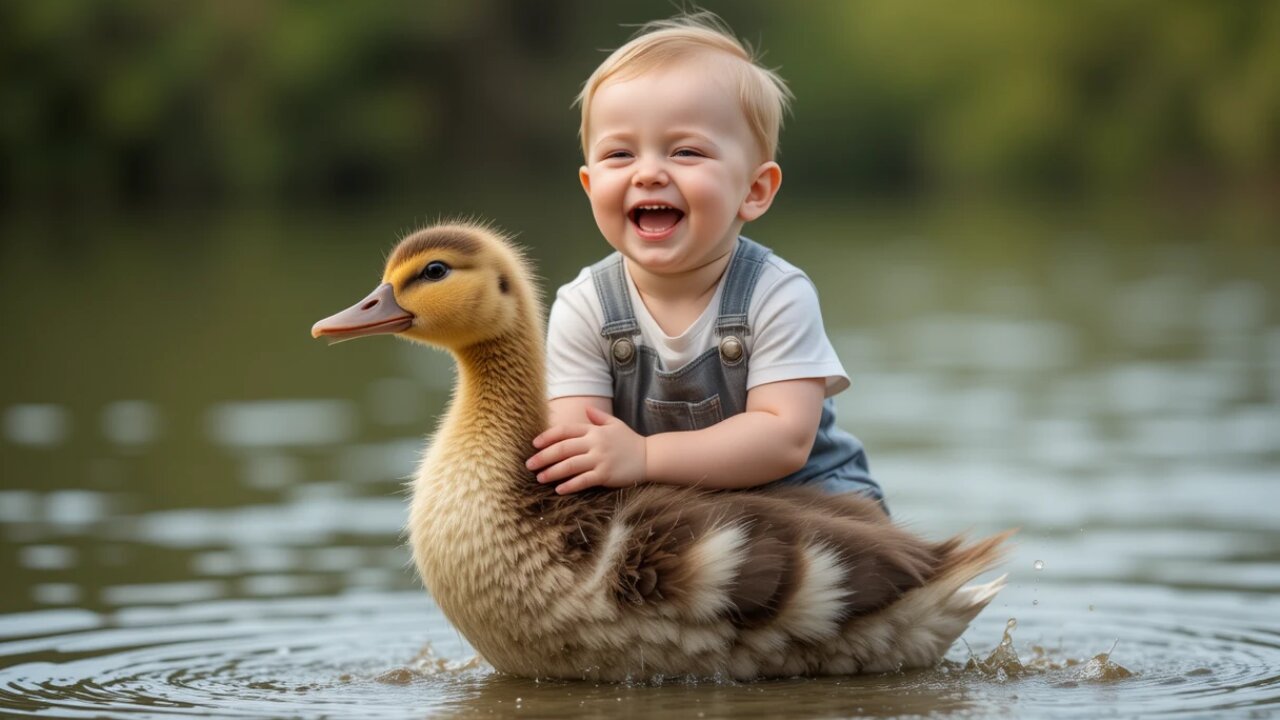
(713, 385)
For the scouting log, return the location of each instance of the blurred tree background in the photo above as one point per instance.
(155, 107)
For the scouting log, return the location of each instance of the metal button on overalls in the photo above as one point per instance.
(623, 351)
(731, 350)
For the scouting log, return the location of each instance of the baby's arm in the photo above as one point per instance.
(588, 444)
(768, 441)
(572, 410)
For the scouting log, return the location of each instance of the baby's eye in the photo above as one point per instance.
(687, 152)
(617, 154)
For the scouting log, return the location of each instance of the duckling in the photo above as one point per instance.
(653, 580)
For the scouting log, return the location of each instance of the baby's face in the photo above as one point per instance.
(670, 165)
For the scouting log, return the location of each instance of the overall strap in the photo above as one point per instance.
(610, 281)
(739, 285)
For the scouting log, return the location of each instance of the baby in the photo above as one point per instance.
(692, 355)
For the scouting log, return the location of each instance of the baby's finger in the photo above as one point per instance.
(555, 434)
(566, 469)
(557, 452)
(582, 482)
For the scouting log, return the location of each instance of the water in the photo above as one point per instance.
(201, 512)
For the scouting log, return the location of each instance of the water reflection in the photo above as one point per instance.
(72, 509)
(282, 585)
(162, 593)
(47, 557)
(17, 506)
(40, 424)
(131, 422)
(270, 470)
(55, 594)
(308, 519)
(989, 343)
(378, 462)
(282, 423)
(65, 511)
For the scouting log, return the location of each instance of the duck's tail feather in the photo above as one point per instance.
(927, 620)
(957, 556)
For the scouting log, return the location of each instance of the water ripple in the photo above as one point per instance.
(393, 655)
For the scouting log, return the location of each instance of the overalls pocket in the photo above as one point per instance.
(676, 416)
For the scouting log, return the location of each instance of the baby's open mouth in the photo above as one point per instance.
(655, 219)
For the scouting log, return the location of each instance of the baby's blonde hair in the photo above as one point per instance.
(764, 94)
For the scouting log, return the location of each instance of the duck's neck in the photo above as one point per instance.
(499, 405)
(473, 490)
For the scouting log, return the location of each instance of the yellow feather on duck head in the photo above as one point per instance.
(453, 286)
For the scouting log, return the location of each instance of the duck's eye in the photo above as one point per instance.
(435, 270)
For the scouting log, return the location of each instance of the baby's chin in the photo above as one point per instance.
(658, 260)
(664, 261)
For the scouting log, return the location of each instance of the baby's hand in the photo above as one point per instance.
(607, 452)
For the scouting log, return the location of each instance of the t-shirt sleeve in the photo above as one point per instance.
(575, 361)
(790, 341)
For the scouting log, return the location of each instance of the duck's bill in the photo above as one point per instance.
(376, 314)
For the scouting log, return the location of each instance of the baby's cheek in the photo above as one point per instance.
(715, 197)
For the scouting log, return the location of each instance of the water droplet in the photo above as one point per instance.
(1090, 608)
(1038, 565)
(1035, 602)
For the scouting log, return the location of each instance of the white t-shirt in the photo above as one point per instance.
(787, 341)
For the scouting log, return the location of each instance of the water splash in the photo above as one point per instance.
(1101, 669)
(427, 664)
(1003, 663)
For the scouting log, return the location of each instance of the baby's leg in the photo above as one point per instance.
(854, 476)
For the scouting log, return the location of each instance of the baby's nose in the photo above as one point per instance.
(649, 172)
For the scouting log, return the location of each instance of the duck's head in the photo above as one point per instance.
(453, 285)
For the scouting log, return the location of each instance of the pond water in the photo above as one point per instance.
(201, 507)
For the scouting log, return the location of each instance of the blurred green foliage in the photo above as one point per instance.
(153, 104)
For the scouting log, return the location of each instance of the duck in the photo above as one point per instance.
(651, 581)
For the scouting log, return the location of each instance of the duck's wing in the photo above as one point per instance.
(794, 557)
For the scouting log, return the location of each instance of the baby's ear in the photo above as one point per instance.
(584, 177)
(764, 187)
